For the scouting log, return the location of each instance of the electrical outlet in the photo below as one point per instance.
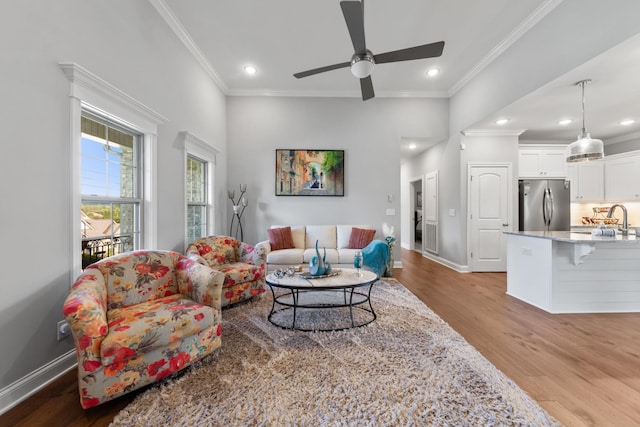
(63, 330)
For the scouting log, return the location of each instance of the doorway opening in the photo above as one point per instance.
(416, 220)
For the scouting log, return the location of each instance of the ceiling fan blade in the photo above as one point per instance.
(354, 17)
(366, 86)
(321, 70)
(430, 50)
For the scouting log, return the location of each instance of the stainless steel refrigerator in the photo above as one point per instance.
(544, 204)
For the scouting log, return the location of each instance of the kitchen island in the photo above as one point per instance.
(569, 272)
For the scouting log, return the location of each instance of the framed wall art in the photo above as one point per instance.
(309, 172)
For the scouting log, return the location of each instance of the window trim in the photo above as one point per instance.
(93, 94)
(200, 149)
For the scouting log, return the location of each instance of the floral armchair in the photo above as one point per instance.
(138, 317)
(243, 265)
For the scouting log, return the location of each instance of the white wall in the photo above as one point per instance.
(370, 134)
(128, 45)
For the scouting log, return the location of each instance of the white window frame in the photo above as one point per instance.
(204, 181)
(91, 93)
(206, 152)
(138, 184)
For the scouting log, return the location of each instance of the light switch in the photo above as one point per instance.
(391, 212)
(452, 212)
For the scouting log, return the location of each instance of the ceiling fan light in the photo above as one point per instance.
(362, 67)
(585, 148)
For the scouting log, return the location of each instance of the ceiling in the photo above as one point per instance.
(612, 96)
(282, 37)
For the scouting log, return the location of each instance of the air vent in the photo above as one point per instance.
(431, 237)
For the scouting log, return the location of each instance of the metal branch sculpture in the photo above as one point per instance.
(238, 209)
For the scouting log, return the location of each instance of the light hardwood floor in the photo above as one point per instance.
(584, 369)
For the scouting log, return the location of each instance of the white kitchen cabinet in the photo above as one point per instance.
(541, 163)
(622, 179)
(587, 181)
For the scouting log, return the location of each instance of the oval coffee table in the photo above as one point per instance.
(330, 296)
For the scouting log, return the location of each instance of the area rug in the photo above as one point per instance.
(407, 368)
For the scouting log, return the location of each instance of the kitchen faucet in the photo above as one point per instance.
(625, 226)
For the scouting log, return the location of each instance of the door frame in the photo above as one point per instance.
(510, 200)
(412, 208)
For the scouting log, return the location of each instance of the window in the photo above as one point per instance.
(100, 101)
(200, 160)
(197, 206)
(111, 190)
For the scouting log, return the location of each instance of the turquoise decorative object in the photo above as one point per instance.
(327, 265)
(327, 268)
(317, 264)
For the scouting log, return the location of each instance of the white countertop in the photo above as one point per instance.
(576, 237)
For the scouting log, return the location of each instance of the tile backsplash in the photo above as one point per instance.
(579, 210)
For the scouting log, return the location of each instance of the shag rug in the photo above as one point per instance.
(407, 368)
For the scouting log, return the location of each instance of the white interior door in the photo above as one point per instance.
(490, 211)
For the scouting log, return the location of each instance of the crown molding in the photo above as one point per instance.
(334, 94)
(506, 43)
(493, 132)
(173, 22)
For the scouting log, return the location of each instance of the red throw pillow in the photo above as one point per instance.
(360, 237)
(280, 238)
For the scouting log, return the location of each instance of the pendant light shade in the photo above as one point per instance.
(585, 148)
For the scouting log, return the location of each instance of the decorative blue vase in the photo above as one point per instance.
(327, 265)
(317, 265)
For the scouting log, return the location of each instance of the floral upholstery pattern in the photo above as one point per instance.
(243, 265)
(138, 317)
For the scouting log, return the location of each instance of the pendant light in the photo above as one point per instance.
(585, 148)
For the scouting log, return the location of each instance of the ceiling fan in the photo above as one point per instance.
(363, 61)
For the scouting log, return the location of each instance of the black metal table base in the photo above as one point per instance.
(294, 300)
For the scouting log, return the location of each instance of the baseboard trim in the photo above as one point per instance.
(457, 267)
(28, 385)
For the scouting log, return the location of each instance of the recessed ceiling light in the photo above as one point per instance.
(627, 122)
(564, 122)
(433, 72)
(250, 70)
(501, 122)
(412, 146)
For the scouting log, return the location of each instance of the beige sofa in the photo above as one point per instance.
(335, 238)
